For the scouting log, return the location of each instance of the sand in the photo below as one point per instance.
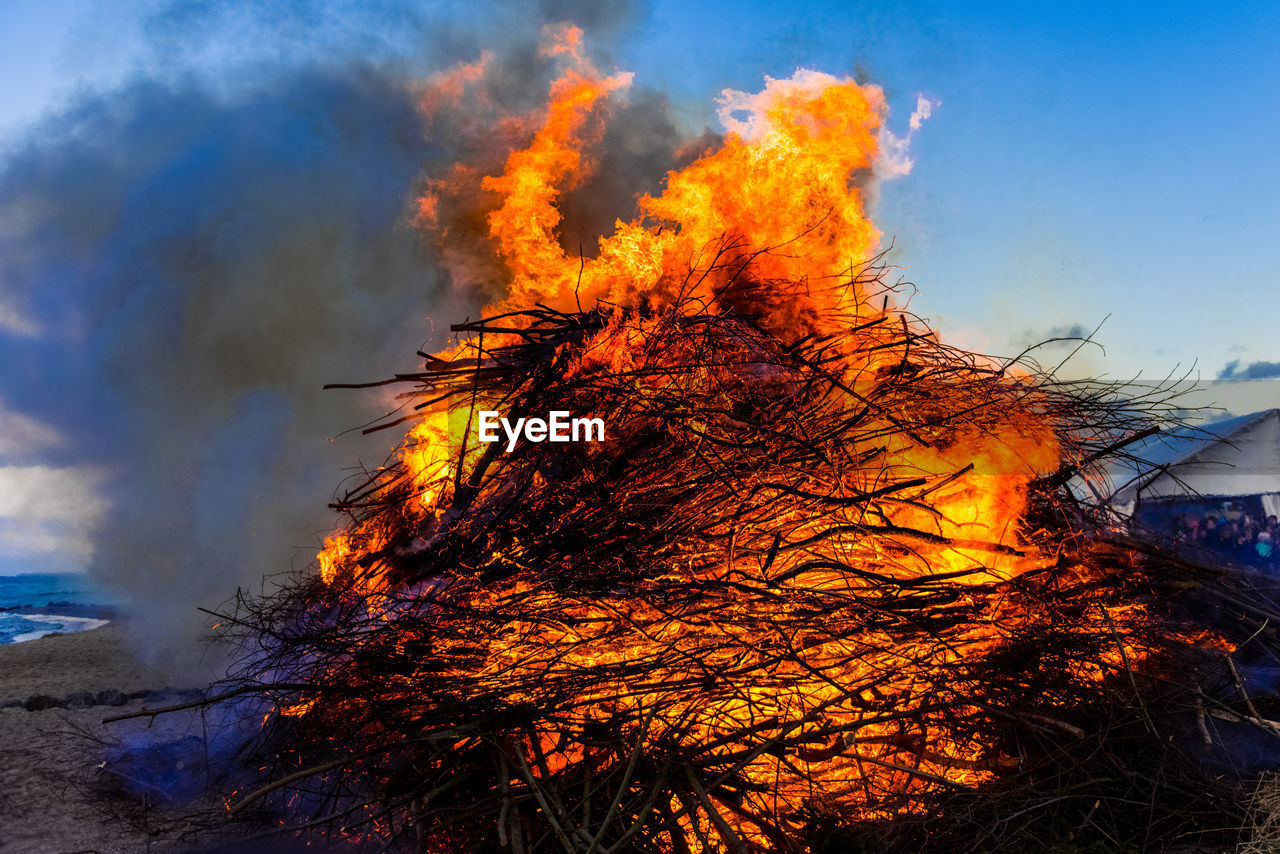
(85, 661)
(53, 763)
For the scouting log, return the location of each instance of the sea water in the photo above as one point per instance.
(37, 604)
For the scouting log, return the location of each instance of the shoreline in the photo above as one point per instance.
(64, 609)
(91, 660)
(89, 624)
(25, 623)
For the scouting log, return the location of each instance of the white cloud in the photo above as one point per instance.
(22, 437)
(49, 512)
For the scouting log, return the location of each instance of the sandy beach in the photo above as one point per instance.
(54, 761)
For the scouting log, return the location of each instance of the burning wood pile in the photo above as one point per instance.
(783, 593)
(823, 573)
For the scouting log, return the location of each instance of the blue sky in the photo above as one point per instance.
(1087, 161)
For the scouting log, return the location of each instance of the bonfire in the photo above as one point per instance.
(822, 573)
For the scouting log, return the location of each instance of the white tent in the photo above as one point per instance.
(1234, 459)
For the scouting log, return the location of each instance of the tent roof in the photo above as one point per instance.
(1236, 457)
(1177, 446)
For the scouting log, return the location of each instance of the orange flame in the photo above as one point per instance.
(781, 190)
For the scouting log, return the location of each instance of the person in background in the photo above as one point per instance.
(1191, 533)
(1227, 536)
(1265, 553)
(1242, 549)
(1210, 531)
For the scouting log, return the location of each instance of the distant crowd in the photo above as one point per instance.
(1243, 539)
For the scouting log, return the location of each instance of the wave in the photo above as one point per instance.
(16, 628)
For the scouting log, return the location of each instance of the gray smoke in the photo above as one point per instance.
(186, 260)
(196, 269)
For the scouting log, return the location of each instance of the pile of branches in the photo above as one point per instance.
(745, 620)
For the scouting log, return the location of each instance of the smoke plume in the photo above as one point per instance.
(195, 269)
(186, 260)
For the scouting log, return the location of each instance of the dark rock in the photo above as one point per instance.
(11, 704)
(79, 700)
(190, 695)
(156, 696)
(111, 697)
(40, 702)
(137, 695)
